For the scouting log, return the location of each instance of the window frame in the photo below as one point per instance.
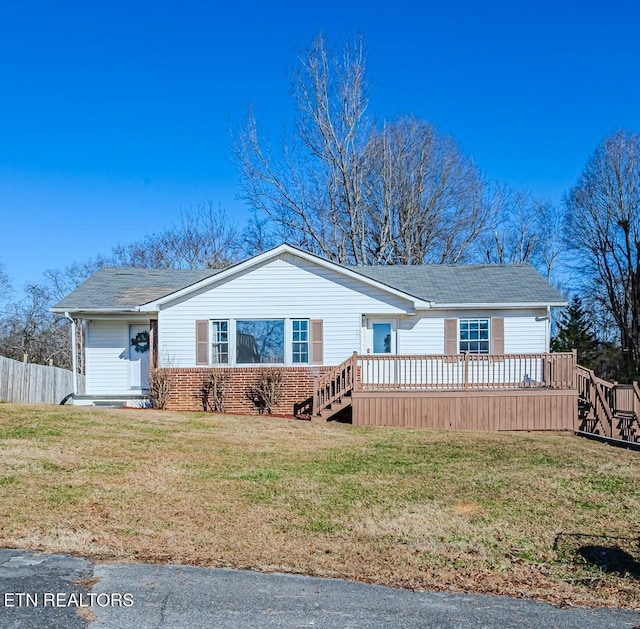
(216, 341)
(236, 334)
(296, 338)
(481, 330)
(301, 342)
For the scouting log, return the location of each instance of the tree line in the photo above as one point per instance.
(357, 190)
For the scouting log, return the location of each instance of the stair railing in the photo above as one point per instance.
(334, 384)
(596, 394)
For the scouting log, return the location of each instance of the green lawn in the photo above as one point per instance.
(540, 515)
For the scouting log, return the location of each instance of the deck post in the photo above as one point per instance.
(355, 380)
(465, 371)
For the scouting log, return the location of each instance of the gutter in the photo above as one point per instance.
(125, 309)
(494, 306)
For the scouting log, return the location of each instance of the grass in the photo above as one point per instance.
(547, 516)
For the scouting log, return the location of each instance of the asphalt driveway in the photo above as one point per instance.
(60, 591)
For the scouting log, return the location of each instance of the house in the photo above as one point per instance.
(307, 317)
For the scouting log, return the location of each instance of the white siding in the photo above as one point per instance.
(285, 287)
(421, 334)
(289, 288)
(107, 356)
(525, 331)
(526, 334)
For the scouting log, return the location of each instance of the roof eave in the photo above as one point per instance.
(119, 310)
(496, 305)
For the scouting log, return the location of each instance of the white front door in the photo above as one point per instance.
(380, 341)
(139, 356)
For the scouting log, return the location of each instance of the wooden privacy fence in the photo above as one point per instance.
(27, 383)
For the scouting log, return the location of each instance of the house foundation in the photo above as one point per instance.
(240, 384)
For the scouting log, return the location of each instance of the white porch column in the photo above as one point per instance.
(74, 352)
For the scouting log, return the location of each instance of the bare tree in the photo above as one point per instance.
(603, 232)
(57, 283)
(340, 187)
(313, 187)
(28, 328)
(423, 197)
(527, 231)
(203, 237)
(5, 284)
(260, 234)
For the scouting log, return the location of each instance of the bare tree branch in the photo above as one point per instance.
(603, 231)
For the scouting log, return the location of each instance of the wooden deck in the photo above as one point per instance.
(474, 392)
(491, 410)
(607, 409)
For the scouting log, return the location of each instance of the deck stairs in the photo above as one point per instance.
(607, 410)
(332, 391)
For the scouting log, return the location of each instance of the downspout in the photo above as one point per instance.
(548, 326)
(74, 353)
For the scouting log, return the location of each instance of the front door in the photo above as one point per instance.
(139, 356)
(381, 336)
(380, 339)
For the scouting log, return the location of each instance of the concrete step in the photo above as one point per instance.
(112, 401)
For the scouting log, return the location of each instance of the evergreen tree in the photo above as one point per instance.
(575, 332)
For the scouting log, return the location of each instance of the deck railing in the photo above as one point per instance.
(366, 372)
(465, 371)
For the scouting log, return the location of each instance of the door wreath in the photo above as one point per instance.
(140, 342)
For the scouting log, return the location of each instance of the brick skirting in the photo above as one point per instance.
(297, 386)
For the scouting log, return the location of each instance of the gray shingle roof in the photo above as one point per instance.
(123, 288)
(467, 284)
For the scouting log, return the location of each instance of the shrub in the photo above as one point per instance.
(266, 393)
(160, 386)
(213, 392)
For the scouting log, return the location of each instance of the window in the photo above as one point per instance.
(300, 341)
(260, 341)
(381, 338)
(474, 336)
(219, 342)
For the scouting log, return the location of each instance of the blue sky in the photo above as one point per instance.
(115, 116)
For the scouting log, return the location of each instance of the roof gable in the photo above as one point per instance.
(279, 251)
